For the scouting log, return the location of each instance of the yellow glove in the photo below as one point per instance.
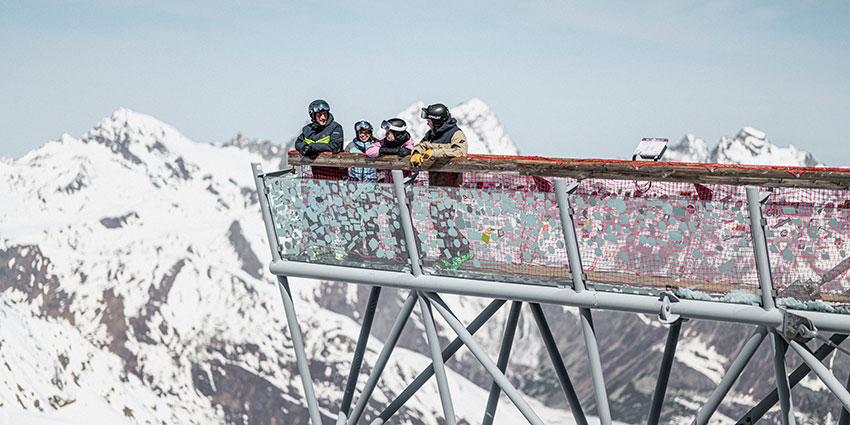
(427, 155)
(416, 160)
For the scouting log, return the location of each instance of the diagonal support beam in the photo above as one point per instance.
(782, 387)
(356, 363)
(502, 362)
(300, 354)
(558, 364)
(844, 417)
(437, 360)
(383, 358)
(481, 355)
(823, 373)
(448, 352)
(731, 376)
(797, 375)
(664, 372)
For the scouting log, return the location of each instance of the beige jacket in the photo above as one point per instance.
(457, 147)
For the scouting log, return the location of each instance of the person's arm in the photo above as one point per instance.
(374, 150)
(457, 147)
(300, 146)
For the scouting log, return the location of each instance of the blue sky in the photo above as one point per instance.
(567, 79)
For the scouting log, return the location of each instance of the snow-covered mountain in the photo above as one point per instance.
(749, 146)
(133, 289)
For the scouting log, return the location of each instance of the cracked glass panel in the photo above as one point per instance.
(682, 237)
(807, 236)
(337, 222)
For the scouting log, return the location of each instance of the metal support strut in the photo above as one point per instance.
(577, 272)
(664, 372)
(731, 376)
(558, 364)
(437, 360)
(823, 373)
(481, 355)
(502, 362)
(782, 387)
(365, 331)
(406, 223)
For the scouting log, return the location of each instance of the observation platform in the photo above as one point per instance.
(759, 245)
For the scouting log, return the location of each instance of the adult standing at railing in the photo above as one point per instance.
(444, 140)
(323, 134)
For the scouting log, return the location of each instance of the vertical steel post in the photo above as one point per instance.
(481, 355)
(731, 376)
(502, 362)
(300, 354)
(782, 387)
(823, 373)
(288, 305)
(357, 361)
(566, 212)
(754, 414)
(437, 361)
(406, 222)
(754, 202)
(664, 372)
(265, 209)
(558, 364)
(448, 352)
(844, 417)
(383, 358)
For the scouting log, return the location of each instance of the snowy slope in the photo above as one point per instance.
(749, 146)
(134, 290)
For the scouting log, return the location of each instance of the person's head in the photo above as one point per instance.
(394, 128)
(436, 114)
(320, 112)
(363, 129)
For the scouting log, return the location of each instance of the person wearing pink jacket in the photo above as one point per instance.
(396, 142)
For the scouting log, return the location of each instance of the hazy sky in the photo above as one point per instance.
(567, 79)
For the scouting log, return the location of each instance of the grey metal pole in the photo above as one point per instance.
(756, 413)
(362, 340)
(782, 388)
(664, 372)
(489, 366)
(300, 354)
(558, 364)
(406, 222)
(760, 248)
(448, 352)
(502, 362)
(823, 373)
(586, 318)
(844, 417)
(731, 376)
(383, 357)
(437, 361)
(257, 170)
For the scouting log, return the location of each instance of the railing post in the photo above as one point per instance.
(406, 222)
(754, 201)
(265, 209)
(566, 212)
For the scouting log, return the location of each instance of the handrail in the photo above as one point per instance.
(739, 175)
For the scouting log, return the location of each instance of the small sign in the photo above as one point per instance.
(650, 148)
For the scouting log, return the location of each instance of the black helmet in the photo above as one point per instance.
(317, 105)
(437, 112)
(394, 124)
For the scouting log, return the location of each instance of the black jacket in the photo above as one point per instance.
(315, 138)
(396, 147)
(443, 134)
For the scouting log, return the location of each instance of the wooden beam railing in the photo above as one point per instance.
(742, 175)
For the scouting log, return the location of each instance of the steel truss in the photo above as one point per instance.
(424, 292)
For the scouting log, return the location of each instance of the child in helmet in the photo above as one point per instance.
(362, 140)
(396, 142)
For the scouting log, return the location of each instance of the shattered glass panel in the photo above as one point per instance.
(338, 222)
(691, 239)
(807, 236)
(493, 228)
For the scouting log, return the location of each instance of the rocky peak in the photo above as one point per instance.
(689, 149)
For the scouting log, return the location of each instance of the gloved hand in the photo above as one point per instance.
(427, 155)
(416, 160)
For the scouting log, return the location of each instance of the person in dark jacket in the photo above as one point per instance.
(323, 134)
(444, 140)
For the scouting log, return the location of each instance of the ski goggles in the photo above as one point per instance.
(363, 126)
(386, 125)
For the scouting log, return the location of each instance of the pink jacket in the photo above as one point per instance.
(374, 150)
